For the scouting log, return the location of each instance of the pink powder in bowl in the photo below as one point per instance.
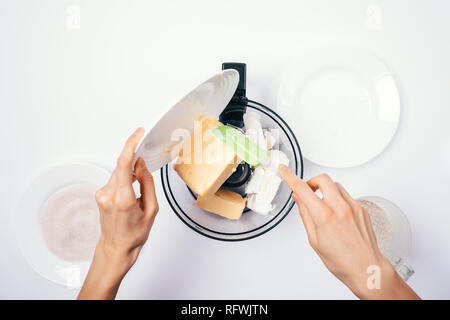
(70, 222)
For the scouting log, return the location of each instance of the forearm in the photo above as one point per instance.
(104, 277)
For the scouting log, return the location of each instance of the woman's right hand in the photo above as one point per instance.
(341, 233)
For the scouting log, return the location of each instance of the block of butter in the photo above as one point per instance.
(204, 162)
(226, 203)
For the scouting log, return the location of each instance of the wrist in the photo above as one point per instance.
(114, 263)
(378, 283)
(383, 283)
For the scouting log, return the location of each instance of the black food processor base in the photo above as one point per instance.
(233, 115)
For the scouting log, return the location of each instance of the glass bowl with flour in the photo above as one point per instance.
(392, 231)
(70, 222)
(57, 221)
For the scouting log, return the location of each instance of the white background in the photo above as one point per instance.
(69, 93)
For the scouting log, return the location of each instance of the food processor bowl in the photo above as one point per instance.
(251, 224)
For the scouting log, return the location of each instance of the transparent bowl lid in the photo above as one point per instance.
(251, 224)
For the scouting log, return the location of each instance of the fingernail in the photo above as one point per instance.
(138, 130)
(141, 163)
(282, 168)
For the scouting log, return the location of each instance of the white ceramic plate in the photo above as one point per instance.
(177, 121)
(342, 103)
(28, 227)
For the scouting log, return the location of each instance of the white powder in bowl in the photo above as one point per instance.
(381, 224)
(70, 222)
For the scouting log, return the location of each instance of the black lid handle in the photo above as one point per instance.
(234, 111)
(242, 69)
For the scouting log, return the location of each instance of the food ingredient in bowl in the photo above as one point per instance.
(272, 137)
(262, 189)
(264, 183)
(244, 147)
(226, 203)
(253, 128)
(205, 163)
(70, 222)
(277, 157)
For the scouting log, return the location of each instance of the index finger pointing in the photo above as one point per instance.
(124, 162)
(300, 188)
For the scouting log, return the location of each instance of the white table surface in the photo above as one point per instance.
(70, 93)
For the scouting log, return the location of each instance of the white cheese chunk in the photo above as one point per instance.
(262, 189)
(259, 204)
(278, 157)
(272, 137)
(253, 128)
(265, 181)
(255, 181)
